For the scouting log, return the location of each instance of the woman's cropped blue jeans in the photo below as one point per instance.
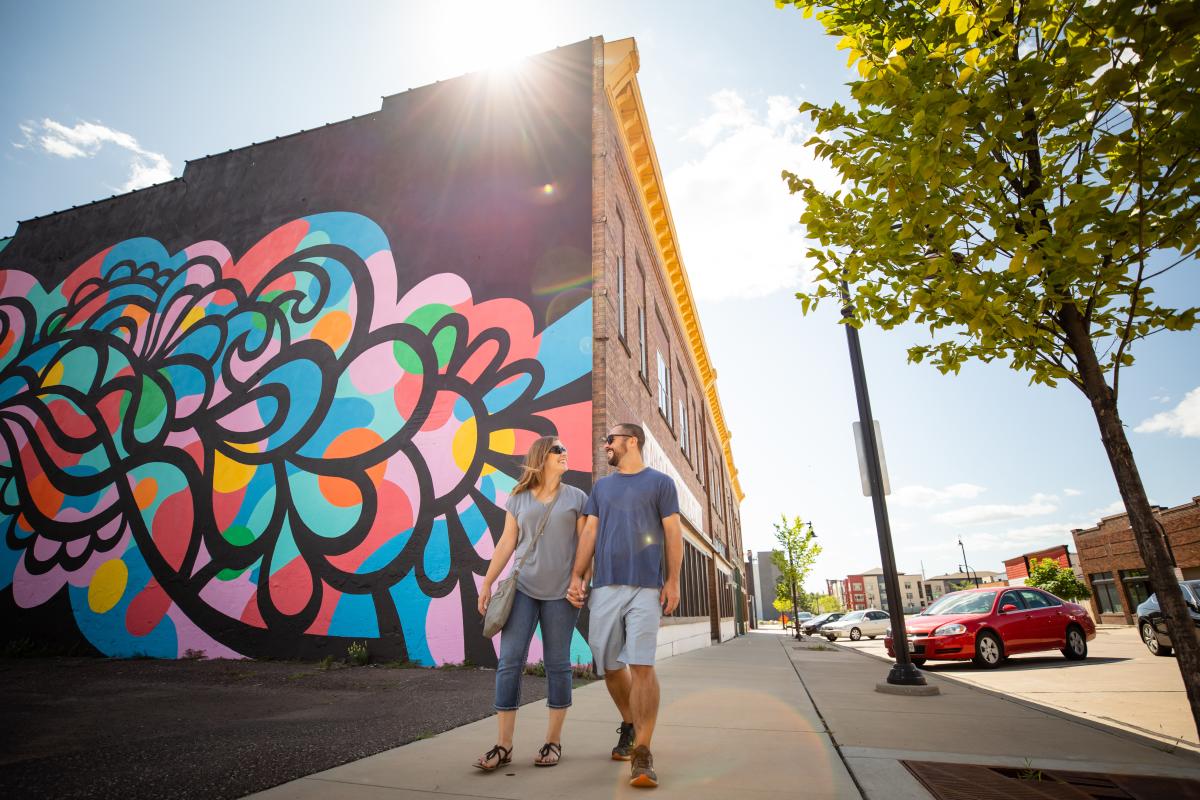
(557, 618)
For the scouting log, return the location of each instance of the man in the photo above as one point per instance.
(632, 528)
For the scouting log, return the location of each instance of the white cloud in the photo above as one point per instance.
(973, 515)
(1016, 541)
(738, 224)
(1072, 492)
(926, 497)
(1115, 507)
(86, 139)
(1182, 420)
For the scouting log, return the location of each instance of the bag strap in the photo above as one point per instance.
(540, 530)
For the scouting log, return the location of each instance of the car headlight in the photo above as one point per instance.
(953, 629)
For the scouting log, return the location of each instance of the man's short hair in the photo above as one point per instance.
(636, 432)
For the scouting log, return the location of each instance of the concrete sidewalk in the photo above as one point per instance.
(875, 732)
(735, 722)
(739, 720)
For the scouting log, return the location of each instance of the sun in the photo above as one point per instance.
(492, 36)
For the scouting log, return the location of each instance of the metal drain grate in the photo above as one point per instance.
(981, 782)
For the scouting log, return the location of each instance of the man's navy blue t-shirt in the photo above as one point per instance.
(629, 544)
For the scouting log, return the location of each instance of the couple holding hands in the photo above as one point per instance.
(624, 536)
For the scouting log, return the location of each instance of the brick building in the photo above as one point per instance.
(939, 585)
(302, 376)
(1113, 567)
(856, 593)
(1016, 569)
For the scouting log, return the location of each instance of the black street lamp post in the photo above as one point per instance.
(903, 672)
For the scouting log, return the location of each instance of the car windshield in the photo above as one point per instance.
(1194, 588)
(853, 616)
(962, 603)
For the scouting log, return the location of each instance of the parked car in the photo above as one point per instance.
(810, 627)
(1153, 626)
(870, 623)
(988, 625)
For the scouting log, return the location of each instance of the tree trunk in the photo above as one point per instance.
(1150, 542)
(795, 610)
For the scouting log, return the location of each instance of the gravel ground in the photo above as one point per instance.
(96, 728)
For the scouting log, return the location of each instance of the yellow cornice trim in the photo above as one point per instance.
(625, 99)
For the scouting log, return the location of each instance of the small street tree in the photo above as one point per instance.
(1060, 581)
(826, 603)
(794, 560)
(1016, 176)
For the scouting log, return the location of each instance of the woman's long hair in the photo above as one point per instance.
(531, 470)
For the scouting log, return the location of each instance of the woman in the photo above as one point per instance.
(542, 585)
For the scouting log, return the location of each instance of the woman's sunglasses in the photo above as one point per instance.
(558, 449)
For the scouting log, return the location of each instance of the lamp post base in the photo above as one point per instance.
(905, 675)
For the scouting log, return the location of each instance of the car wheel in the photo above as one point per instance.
(1076, 649)
(855, 634)
(831, 638)
(918, 662)
(1151, 641)
(872, 636)
(989, 651)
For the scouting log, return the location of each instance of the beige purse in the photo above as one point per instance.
(500, 606)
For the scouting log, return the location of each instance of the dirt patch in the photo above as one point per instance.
(90, 727)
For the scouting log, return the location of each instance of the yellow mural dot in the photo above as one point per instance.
(54, 375)
(107, 586)
(504, 441)
(228, 475)
(193, 316)
(466, 439)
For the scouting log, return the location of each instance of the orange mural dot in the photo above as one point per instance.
(339, 491)
(145, 492)
(355, 442)
(333, 329)
(47, 499)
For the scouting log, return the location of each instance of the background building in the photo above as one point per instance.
(1017, 568)
(912, 597)
(277, 405)
(1113, 567)
(939, 585)
(768, 576)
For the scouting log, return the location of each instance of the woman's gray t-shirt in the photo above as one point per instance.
(546, 574)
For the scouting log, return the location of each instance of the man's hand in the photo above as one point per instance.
(485, 597)
(668, 598)
(577, 593)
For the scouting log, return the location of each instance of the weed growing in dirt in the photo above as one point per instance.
(359, 655)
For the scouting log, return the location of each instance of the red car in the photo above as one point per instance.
(988, 625)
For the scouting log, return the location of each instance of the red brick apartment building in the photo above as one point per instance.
(1017, 569)
(856, 593)
(650, 360)
(1114, 569)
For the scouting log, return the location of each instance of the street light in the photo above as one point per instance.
(966, 566)
(903, 673)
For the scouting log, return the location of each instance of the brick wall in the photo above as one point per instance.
(626, 385)
(1109, 547)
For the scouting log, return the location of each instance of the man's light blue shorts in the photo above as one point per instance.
(623, 626)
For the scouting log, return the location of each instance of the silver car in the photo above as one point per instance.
(870, 623)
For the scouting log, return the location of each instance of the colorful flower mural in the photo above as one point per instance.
(274, 454)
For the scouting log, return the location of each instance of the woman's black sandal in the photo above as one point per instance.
(504, 754)
(548, 749)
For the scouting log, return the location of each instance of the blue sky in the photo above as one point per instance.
(99, 98)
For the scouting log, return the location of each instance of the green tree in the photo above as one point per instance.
(826, 603)
(794, 560)
(1017, 176)
(1060, 581)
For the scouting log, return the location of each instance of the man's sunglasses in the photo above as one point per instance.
(609, 439)
(558, 449)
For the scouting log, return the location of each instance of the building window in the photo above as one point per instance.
(693, 584)
(1137, 586)
(643, 368)
(684, 435)
(1105, 590)
(664, 388)
(621, 297)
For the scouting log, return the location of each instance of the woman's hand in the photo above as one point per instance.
(485, 597)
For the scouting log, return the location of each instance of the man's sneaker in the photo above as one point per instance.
(625, 743)
(643, 775)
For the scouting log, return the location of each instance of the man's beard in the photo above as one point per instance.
(614, 459)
